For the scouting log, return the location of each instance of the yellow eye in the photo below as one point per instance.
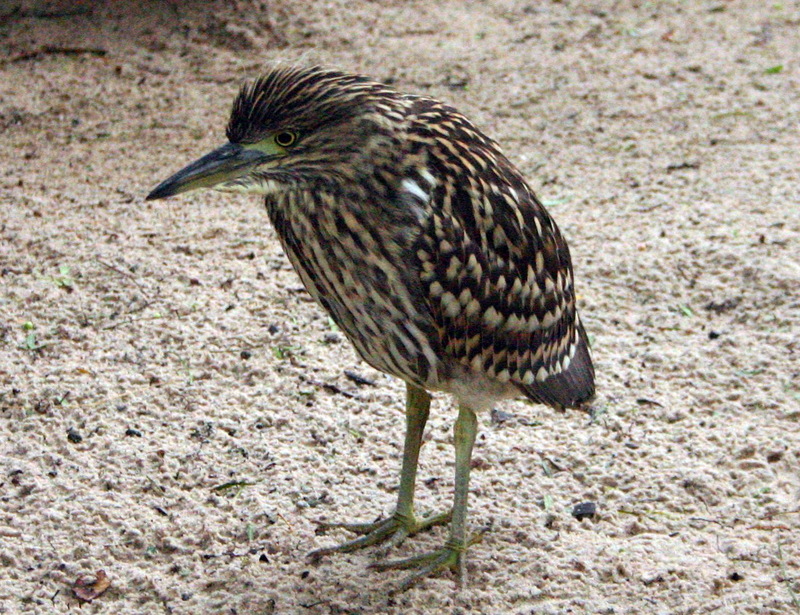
(285, 138)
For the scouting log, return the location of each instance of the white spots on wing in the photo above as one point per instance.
(532, 285)
(542, 374)
(539, 262)
(477, 363)
(450, 304)
(453, 268)
(474, 269)
(514, 323)
(499, 237)
(426, 175)
(491, 318)
(412, 187)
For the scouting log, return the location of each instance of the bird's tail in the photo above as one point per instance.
(569, 388)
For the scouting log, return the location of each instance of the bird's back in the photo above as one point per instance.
(496, 268)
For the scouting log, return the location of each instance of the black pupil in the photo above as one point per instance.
(285, 138)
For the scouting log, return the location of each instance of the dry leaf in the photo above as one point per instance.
(88, 589)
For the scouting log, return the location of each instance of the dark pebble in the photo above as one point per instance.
(584, 510)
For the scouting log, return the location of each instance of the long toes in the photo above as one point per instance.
(434, 520)
(406, 563)
(445, 559)
(397, 538)
(351, 545)
(418, 576)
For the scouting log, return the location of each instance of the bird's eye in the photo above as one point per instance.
(285, 138)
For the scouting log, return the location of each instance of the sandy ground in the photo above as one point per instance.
(175, 411)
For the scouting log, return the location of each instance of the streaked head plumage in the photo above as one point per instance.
(295, 127)
(301, 99)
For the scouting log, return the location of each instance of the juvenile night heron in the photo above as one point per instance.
(427, 248)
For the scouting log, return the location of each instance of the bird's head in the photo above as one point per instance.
(295, 126)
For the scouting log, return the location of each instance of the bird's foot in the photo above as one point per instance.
(452, 555)
(395, 530)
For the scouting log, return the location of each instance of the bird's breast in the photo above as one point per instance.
(358, 262)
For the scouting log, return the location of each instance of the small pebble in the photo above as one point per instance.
(499, 416)
(584, 510)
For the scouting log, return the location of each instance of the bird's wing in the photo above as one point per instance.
(498, 273)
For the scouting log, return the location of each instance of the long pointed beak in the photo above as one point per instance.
(223, 164)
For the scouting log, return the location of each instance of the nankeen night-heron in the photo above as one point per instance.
(427, 248)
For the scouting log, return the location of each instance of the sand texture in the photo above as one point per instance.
(176, 411)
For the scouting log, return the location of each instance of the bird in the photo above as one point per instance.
(428, 249)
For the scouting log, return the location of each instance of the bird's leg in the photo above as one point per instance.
(452, 554)
(403, 523)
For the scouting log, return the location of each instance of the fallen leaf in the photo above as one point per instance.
(87, 589)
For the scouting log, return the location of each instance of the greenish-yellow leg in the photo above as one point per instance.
(452, 554)
(403, 523)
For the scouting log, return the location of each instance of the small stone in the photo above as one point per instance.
(584, 510)
(73, 436)
(499, 417)
(774, 456)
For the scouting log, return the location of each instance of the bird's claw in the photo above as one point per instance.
(395, 530)
(452, 556)
(425, 565)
